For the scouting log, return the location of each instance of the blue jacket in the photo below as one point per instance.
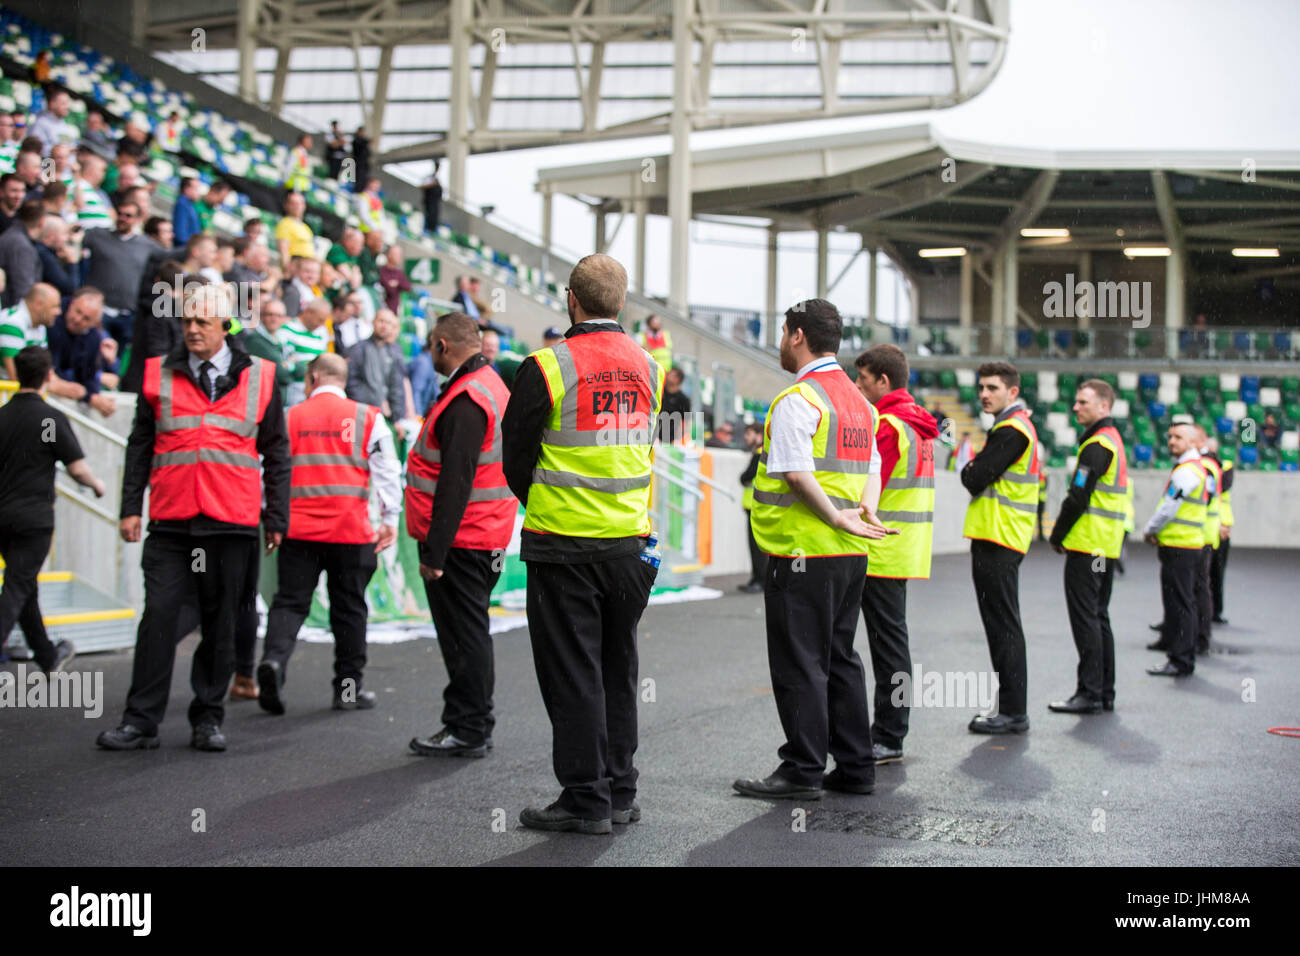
(185, 220)
(424, 382)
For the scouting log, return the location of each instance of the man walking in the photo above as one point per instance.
(1003, 482)
(578, 442)
(905, 439)
(207, 413)
(815, 495)
(339, 449)
(33, 437)
(1089, 531)
(462, 515)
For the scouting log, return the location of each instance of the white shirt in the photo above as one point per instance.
(354, 330)
(1182, 485)
(385, 471)
(794, 422)
(220, 366)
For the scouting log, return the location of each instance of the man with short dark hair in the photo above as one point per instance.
(676, 409)
(1089, 531)
(18, 257)
(12, 193)
(1003, 483)
(815, 497)
(33, 437)
(207, 206)
(185, 214)
(51, 125)
(461, 514)
(905, 439)
(118, 260)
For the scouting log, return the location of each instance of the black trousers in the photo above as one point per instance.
(246, 626)
(996, 573)
(24, 553)
(1204, 600)
(206, 571)
(1179, 570)
(817, 677)
(458, 603)
(348, 569)
(1088, 582)
(1218, 569)
(757, 556)
(884, 608)
(582, 621)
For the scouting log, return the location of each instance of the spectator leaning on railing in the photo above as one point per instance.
(83, 353)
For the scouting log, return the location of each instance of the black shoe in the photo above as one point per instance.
(753, 587)
(1218, 620)
(63, 652)
(1159, 626)
(556, 818)
(270, 681)
(1202, 649)
(1168, 670)
(1158, 646)
(999, 724)
(365, 700)
(882, 754)
(835, 780)
(631, 815)
(208, 737)
(446, 744)
(1108, 705)
(127, 737)
(777, 787)
(1078, 704)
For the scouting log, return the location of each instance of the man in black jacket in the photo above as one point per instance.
(198, 551)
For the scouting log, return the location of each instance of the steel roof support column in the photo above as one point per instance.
(823, 260)
(547, 198)
(770, 318)
(679, 171)
(966, 315)
(246, 39)
(998, 286)
(379, 102)
(639, 206)
(461, 15)
(1010, 296)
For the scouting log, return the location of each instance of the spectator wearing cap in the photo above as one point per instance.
(424, 378)
(552, 337)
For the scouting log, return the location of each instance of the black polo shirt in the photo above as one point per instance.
(33, 436)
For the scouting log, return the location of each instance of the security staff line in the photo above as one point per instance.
(841, 510)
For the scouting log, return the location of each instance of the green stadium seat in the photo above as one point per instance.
(1067, 383)
(948, 378)
(966, 393)
(1222, 343)
(1060, 405)
(1263, 341)
(1256, 412)
(1142, 340)
(928, 379)
(1028, 380)
(1270, 381)
(1210, 383)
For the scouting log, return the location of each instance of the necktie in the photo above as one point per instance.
(205, 379)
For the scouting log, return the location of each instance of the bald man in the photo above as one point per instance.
(341, 450)
(27, 323)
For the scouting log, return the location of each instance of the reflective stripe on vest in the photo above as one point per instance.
(592, 477)
(1004, 512)
(1225, 505)
(1187, 528)
(841, 450)
(329, 486)
(489, 518)
(906, 503)
(1100, 529)
(1213, 500)
(205, 459)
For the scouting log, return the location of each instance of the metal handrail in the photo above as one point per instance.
(93, 426)
(103, 514)
(685, 486)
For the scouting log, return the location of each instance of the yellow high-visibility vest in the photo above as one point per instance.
(592, 478)
(906, 503)
(1186, 529)
(1100, 529)
(1213, 500)
(1225, 506)
(1004, 512)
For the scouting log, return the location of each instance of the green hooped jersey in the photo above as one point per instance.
(1004, 512)
(1100, 529)
(841, 447)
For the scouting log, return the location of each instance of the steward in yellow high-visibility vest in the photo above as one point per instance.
(815, 492)
(578, 442)
(657, 340)
(1219, 565)
(1003, 482)
(1089, 531)
(905, 439)
(1213, 530)
(1178, 527)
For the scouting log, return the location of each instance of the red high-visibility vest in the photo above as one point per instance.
(205, 457)
(489, 518)
(329, 491)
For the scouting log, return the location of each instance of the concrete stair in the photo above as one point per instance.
(75, 611)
